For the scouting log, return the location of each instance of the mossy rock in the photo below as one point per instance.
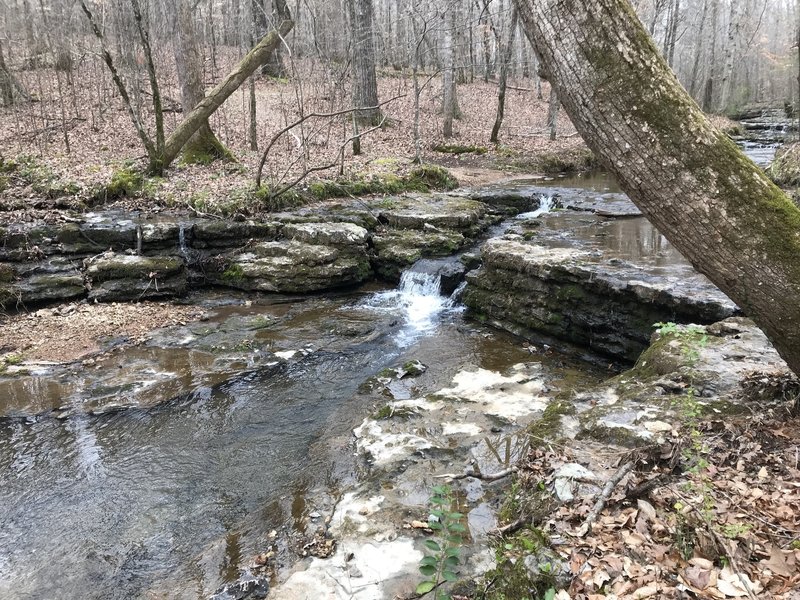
(423, 178)
(785, 169)
(7, 273)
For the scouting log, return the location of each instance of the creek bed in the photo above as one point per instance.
(172, 495)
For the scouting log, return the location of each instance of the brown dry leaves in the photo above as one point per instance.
(724, 532)
(73, 331)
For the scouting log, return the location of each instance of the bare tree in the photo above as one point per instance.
(501, 88)
(203, 145)
(365, 82)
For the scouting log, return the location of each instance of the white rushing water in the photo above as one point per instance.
(545, 206)
(418, 300)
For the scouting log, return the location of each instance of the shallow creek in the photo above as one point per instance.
(178, 494)
(159, 471)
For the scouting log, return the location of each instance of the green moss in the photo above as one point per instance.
(233, 273)
(413, 368)
(511, 579)
(205, 150)
(548, 426)
(459, 149)
(394, 412)
(432, 177)
(124, 182)
(785, 169)
(7, 274)
(13, 359)
(570, 293)
(424, 178)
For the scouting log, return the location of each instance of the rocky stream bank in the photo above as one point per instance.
(248, 410)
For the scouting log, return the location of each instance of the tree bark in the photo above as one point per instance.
(214, 99)
(6, 83)
(698, 51)
(365, 82)
(501, 88)
(203, 146)
(693, 183)
(448, 83)
(708, 89)
(553, 106)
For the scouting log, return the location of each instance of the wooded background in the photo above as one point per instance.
(341, 55)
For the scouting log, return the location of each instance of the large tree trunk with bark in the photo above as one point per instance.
(501, 88)
(693, 183)
(365, 83)
(203, 146)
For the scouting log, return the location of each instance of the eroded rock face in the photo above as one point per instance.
(126, 256)
(686, 371)
(130, 277)
(586, 295)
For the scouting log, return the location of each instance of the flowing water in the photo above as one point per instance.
(169, 498)
(162, 469)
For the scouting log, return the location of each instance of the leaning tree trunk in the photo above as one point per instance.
(203, 146)
(214, 99)
(365, 82)
(501, 88)
(693, 183)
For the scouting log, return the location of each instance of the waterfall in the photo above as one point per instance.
(418, 299)
(546, 204)
(182, 247)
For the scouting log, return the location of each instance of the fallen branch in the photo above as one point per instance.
(604, 496)
(476, 475)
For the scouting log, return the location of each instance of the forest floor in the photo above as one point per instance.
(727, 528)
(90, 154)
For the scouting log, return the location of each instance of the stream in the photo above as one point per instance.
(235, 426)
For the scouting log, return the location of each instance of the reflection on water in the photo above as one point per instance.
(170, 500)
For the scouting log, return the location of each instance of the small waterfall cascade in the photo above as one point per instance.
(546, 204)
(183, 248)
(419, 300)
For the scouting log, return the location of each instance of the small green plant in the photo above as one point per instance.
(439, 565)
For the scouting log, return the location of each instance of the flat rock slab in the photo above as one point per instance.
(583, 297)
(648, 403)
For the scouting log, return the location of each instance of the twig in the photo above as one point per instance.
(303, 119)
(604, 496)
(514, 526)
(720, 544)
(476, 475)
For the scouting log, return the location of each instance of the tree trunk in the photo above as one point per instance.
(698, 51)
(274, 65)
(693, 183)
(553, 106)
(448, 83)
(365, 83)
(203, 146)
(708, 89)
(6, 83)
(501, 89)
(673, 31)
(214, 99)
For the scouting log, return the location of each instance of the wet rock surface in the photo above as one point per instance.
(595, 275)
(125, 256)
